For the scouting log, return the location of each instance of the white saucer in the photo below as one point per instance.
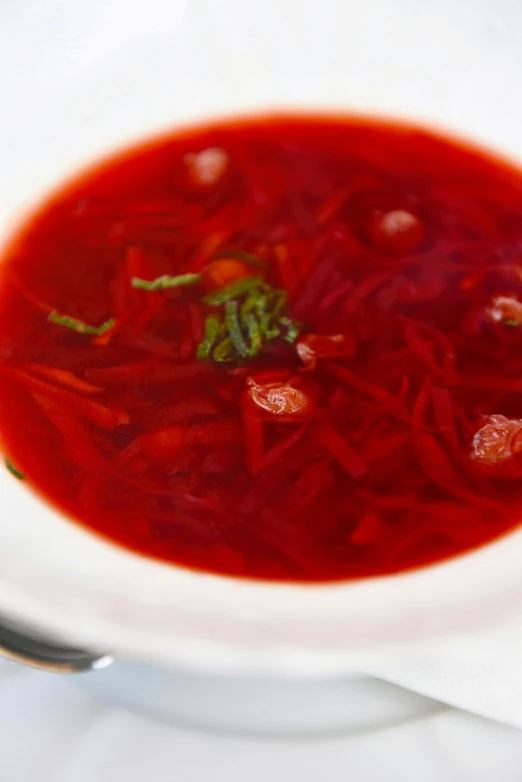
(240, 705)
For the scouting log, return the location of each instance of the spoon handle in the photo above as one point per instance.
(31, 648)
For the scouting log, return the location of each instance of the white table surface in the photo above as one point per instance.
(52, 731)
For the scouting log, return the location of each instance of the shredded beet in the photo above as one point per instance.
(283, 348)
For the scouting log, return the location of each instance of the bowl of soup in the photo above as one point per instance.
(260, 339)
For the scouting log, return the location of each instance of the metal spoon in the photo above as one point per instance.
(32, 648)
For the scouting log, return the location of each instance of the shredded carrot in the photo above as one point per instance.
(370, 529)
(277, 452)
(379, 394)
(254, 439)
(98, 414)
(64, 377)
(224, 271)
(164, 444)
(341, 450)
(443, 409)
(77, 440)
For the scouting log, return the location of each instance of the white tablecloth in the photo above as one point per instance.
(51, 731)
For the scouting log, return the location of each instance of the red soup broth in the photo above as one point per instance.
(287, 348)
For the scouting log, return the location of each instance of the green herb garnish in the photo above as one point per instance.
(254, 334)
(234, 327)
(225, 351)
(213, 328)
(245, 314)
(14, 471)
(278, 303)
(232, 291)
(264, 317)
(511, 322)
(79, 325)
(249, 314)
(292, 329)
(166, 281)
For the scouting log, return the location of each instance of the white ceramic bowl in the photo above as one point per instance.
(451, 65)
